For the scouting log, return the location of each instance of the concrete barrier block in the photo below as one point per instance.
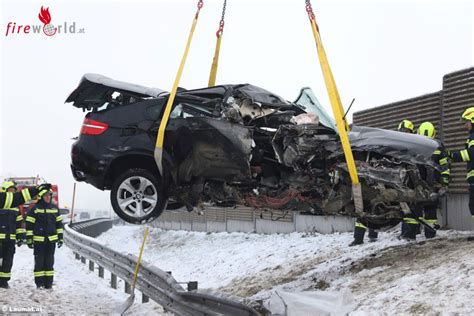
(271, 227)
(186, 226)
(215, 227)
(240, 226)
(458, 214)
(324, 224)
(175, 225)
(199, 226)
(167, 225)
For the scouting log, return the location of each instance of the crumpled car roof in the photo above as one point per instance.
(93, 90)
(122, 85)
(256, 94)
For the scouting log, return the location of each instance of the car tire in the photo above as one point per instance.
(137, 196)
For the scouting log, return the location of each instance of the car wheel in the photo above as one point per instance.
(137, 196)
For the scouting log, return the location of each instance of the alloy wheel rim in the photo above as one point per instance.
(137, 196)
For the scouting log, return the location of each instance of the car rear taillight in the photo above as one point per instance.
(92, 127)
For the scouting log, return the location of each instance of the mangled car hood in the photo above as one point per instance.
(260, 95)
(407, 147)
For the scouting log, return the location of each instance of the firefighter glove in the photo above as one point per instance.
(60, 243)
(19, 242)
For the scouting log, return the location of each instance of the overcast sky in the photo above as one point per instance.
(380, 51)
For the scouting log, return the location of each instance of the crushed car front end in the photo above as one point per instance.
(296, 160)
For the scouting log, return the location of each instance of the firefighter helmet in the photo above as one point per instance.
(427, 129)
(468, 115)
(43, 192)
(7, 185)
(406, 126)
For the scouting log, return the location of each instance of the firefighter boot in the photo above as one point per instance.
(359, 233)
(373, 235)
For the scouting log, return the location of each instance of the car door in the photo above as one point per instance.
(203, 145)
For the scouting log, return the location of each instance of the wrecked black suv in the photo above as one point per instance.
(240, 145)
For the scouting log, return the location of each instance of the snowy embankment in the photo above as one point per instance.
(76, 290)
(390, 275)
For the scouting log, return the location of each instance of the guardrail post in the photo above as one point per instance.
(91, 265)
(113, 281)
(83, 260)
(164, 309)
(101, 272)
(128, 288)
(192, 285)
(145, 299)
(225, 218)
(77, 256)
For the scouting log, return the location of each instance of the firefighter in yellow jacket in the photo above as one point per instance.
(467, 155)
(11, 199)
(429, 213)
(44, 230)
(11, 231)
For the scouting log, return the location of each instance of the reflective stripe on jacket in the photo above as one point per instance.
(466, 155)
(11, 223)
(44, 222)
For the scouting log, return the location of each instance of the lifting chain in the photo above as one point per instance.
(199, 6)
(215, 60)
(309, 10)
(221, 23)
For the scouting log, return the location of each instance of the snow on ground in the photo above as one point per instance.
(76, 290)
(390, 275)
(434, 277)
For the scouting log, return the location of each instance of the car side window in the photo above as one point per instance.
(177, 112)
(181, 111)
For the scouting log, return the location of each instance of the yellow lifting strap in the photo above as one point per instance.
(134, 282)
(338, 110)
(215, 60)
(164, 121)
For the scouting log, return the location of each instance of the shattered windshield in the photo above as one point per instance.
(310, 103)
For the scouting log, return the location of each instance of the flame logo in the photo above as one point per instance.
(44, 15)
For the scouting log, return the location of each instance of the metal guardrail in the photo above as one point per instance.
(92, 227)
(151, 281)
